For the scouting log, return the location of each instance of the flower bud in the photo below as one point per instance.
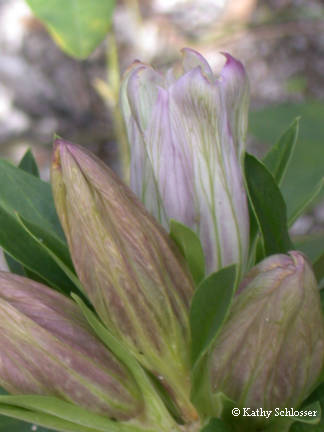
(130, 269)
(187, 138)
(270, 351)
(48, 348)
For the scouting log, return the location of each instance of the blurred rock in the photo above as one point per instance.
(43, 91)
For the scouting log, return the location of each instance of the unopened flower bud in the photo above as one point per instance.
(48, 348)
(270, 351)
(187, 133)
(130, 269)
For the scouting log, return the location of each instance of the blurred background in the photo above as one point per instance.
(281, 43)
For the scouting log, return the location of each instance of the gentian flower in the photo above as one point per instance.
(187, 133)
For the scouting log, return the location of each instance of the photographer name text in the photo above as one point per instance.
(277, 412)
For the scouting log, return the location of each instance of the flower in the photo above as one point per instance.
(48, 348)
(270, 351)
(130, 269)
(187, 134)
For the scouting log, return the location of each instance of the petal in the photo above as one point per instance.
(123, 97)
(142, 90)
(191, 59)
(171, 166)
(235, 93)
(138, 98)
(200, 128)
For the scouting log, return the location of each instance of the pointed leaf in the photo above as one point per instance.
(306, 166)
(306, 203)
(316, 397)
(311, 245)
(13, 425)
(14, 266)
(51, 422)
(54, 247)
(65, 411)
(319, 268)
(28, 163)
(190, 246)
(268, 205)
(312, 420)
(78, 26)
(29, 196)
(209, 308)
(56, 244)
(279, 156)
(17, 242)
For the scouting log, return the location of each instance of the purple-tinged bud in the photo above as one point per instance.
(130, 269)
(270, 351)
(48, 348)
(187, 135)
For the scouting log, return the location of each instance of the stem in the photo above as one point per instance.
(134, 7)
(113, 78)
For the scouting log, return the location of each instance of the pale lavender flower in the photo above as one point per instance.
(187, 133)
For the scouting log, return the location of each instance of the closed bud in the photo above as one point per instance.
(187, 133)
(48, 348)
(270, 351)
(130, 269)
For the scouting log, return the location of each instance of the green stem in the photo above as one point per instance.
(113, 78)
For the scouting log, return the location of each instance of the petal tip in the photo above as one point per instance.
(232, 63)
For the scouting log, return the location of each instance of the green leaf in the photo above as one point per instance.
(28, 163)
(209, 309)
(190, 246)
(268, 205)
(317, 397)
(13, 425)
(49, 241)
(77, 26)
(51, 422)
(322, 300)
(65, 411)
(309, 200)
(306, 167)
(54, 247)
(29, 196)
(279, 156)
(8, 424)
(313, 247)
(254, 236)
(319, 268)
(14, 266)
(18, 243)
(310, 245)
(312, 420)
(216, 425)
